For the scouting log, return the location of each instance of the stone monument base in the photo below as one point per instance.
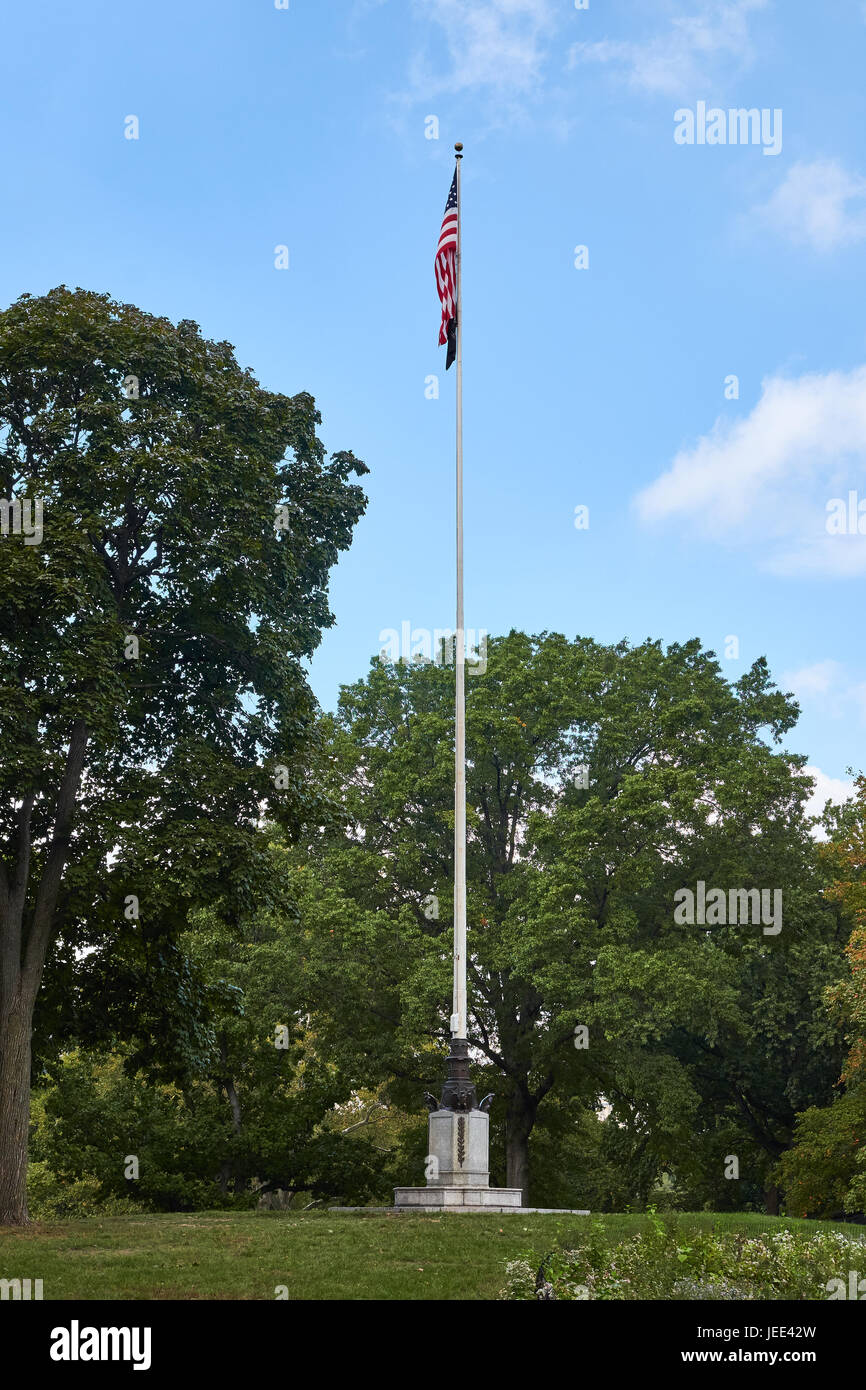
(458, 1177)
(424, 1199)
(457, 1149)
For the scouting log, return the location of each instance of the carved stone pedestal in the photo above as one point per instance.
(458, 1145)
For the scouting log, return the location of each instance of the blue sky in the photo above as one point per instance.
(605, 386)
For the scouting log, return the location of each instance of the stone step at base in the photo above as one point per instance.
(442, 1198)
(437, 1211)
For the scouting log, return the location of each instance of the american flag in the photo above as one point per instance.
(446, 275)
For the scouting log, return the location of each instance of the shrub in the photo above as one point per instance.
(666, 1263)
(50, 1198)
(819, 1170)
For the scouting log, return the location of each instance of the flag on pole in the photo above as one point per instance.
(446, 275)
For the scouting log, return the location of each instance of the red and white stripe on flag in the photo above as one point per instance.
(446, 263)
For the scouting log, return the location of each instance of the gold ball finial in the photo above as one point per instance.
(458, 147)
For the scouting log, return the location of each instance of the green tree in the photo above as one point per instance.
(818, 1172)
(256, 1115)
(824, 1174)
(152, 695)
(844, 857)
(600, 781)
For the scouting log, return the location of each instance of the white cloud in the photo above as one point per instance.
(818, 679)
(826, 689)
(820, 205)
(766, 480)
(826, 789)
(833, 556)
(494, 44)
(686, 54)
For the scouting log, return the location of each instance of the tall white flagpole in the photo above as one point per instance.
(458, 1018)
(458, 1133)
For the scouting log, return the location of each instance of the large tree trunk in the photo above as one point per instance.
(25, 937)
(14, 1114)
(518, 1127)
(771, 1201)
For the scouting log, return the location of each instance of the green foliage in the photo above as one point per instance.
(252, 1118)
(824, 1174)
(190, 1156)
(50, 1200)
(818, 1173)
(668, 1261)
(160, 505)
(697, 1037)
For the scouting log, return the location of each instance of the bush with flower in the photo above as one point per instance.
(669, 1262)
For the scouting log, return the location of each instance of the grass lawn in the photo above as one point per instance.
(317, 1255)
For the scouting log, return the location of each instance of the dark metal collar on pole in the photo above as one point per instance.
(458, 1093)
